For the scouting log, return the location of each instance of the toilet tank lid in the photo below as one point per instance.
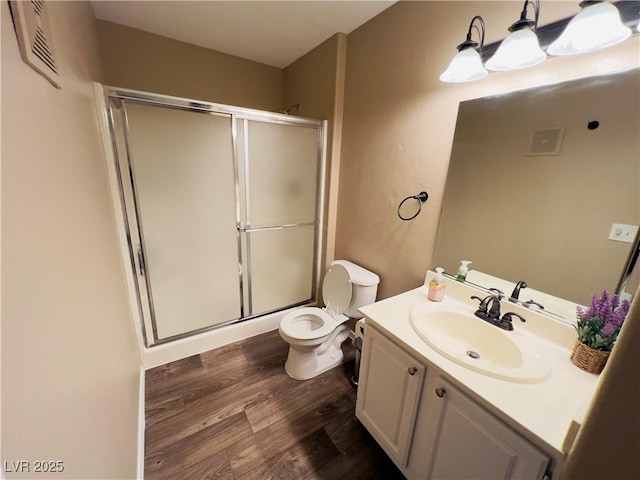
(358, 275)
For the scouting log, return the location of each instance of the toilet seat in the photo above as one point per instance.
(312, 322)
(337, 289)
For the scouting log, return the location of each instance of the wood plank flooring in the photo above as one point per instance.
(234, 414)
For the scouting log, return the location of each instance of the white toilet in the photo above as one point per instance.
(315, 335)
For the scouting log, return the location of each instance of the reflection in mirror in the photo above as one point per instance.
(536, 181)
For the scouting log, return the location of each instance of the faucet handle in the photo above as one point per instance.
(483, 305)
(533, 304)
(508, 317)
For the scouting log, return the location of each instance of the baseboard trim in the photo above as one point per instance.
(186, 347)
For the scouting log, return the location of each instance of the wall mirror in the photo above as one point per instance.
(537, 178)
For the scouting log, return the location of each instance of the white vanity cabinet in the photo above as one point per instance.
(388, 394)
(471, 443)
(430, 428)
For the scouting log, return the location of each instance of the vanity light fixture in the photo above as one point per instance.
(597, 26)
(521, 48)
(467, 66)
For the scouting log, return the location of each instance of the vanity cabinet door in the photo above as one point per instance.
(388, 394)
(472, 443)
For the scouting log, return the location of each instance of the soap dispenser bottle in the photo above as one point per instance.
(463, 270)
(437, 286)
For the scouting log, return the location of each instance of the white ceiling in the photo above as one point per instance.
(272, 32)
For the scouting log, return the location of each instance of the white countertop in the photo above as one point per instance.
(542, 411)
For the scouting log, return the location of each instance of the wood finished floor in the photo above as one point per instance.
(234, 414)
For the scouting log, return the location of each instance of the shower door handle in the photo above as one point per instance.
(249, 228)
(141, 262)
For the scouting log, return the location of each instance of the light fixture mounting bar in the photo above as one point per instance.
(629, 14)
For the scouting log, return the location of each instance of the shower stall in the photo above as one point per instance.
(221, 208)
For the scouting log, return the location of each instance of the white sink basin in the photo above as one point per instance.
(475, 344)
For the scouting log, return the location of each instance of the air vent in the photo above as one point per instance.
(42, 50)
(545, 141)
(38, 6)
(33, 29)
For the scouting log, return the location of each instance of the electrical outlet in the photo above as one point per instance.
(623, 233)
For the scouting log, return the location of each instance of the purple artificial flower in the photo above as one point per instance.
(606, 308)
(598, 324)
(618, 316)
(609, 329)
(615, 301)
(602, 304)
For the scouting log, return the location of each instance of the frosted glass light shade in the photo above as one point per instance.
(520, 49)
(595, 27)
(466, 66)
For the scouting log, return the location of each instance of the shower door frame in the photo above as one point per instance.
(113, 99)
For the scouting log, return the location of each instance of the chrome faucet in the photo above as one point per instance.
(492, 314)
(516, 291)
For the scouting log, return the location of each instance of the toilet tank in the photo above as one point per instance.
(364, 287)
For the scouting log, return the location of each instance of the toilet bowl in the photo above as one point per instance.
(314, 334)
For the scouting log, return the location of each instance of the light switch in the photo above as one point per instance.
(623, 233)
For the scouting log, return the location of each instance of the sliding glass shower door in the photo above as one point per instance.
(279, 172)
(181, 166)
(221, 209)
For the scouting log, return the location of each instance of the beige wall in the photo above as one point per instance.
(545, 219)
(399, 121)
(139, 60)
(316, 82)
(608, 444)
(70, 362)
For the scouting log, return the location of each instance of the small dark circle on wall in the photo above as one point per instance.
(593, 124)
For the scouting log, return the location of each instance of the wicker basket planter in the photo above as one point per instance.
(588, 359)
